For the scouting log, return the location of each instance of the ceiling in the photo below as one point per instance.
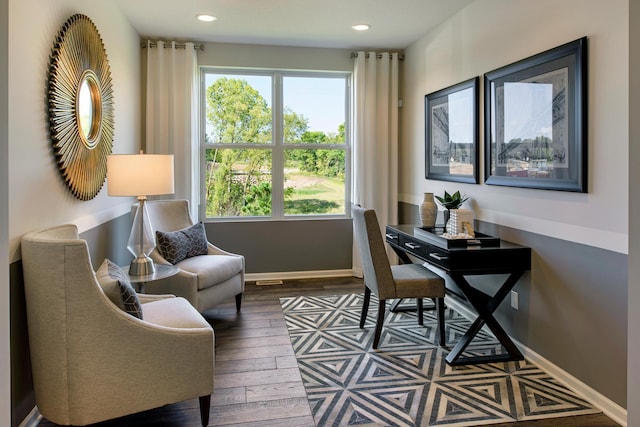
(395, 24)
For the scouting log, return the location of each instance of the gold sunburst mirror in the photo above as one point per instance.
(80, 94)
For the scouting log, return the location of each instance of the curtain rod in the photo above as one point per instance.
(378, 55)
(196, 46)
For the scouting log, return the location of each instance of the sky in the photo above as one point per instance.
(528, 112)
(320, 100)
(461, 116)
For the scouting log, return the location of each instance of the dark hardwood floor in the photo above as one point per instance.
(257, 381)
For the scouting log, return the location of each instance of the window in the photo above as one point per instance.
(275, 143)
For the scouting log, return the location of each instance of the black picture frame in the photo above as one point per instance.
(451, 133)
(535, 127)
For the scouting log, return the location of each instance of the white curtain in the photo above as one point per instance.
(375, 138)
(172, 113)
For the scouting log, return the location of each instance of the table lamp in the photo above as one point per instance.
(140, 175)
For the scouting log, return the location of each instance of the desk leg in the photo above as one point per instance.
(404, 258)
(485, 306)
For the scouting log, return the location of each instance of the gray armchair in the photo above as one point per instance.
(204, 280)
(91, 360)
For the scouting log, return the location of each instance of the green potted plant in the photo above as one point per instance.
(450, 201)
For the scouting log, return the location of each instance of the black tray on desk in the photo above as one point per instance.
(434, 236)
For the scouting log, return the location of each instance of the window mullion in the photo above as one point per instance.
(348, 101)
(277, 169)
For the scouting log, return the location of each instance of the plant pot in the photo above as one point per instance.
(446, 214)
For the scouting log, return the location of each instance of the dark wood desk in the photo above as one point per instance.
(496, 257)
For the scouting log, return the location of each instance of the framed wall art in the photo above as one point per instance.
(535, 127)
(451, 133)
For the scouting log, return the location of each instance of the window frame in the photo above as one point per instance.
(277, 145)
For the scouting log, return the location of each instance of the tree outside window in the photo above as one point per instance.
(266, 160)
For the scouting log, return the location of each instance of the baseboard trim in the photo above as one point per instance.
(31, 420)
(611, 409)
(295, 275)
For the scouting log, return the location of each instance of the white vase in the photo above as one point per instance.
(428, 211)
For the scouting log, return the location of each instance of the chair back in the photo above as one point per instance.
(168, 215)
(375, 264)
(66, 313)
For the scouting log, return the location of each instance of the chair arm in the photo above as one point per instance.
(145, 298)
(157, 258)
(183, 284)
(214, 250)
(133, 358)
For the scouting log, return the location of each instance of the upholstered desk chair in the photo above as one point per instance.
(392, 281)
(93, 361)
(205, 280)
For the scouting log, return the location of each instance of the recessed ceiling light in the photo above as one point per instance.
(361, 27)
(206, 18)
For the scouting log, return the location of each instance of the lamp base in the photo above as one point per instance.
(141, 266)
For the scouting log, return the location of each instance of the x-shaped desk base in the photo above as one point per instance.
(485, 305)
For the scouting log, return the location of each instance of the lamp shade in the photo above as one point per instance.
(139, 174)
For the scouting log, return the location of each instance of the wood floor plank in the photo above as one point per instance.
(275, 392)
(282, 422)
(240, 353)
(268, 331)
(286, 362)
(256, 343)
(229, 396)
(253, 378)
(246, 365)
(244, 324)
(259, 412)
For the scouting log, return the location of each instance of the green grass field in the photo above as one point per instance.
(313, 194)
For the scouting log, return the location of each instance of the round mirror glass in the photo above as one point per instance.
(85, 109)
(88, 109)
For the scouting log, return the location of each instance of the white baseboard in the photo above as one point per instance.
(611, 409)
(295, 275)
(607, 406)
(31, 420)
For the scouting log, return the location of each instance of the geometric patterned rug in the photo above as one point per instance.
(406, 381)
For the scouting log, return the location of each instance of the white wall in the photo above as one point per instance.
(5, 353)
(276, 57)
(38, 195)
(633, 387)
(489, 34)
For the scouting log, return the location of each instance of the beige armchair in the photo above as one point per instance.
(91, 360)
(204, 280)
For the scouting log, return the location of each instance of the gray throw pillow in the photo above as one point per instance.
(175, 246)
(109, 286)
(130, 299)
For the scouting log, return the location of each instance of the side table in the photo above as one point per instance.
(162, 271)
